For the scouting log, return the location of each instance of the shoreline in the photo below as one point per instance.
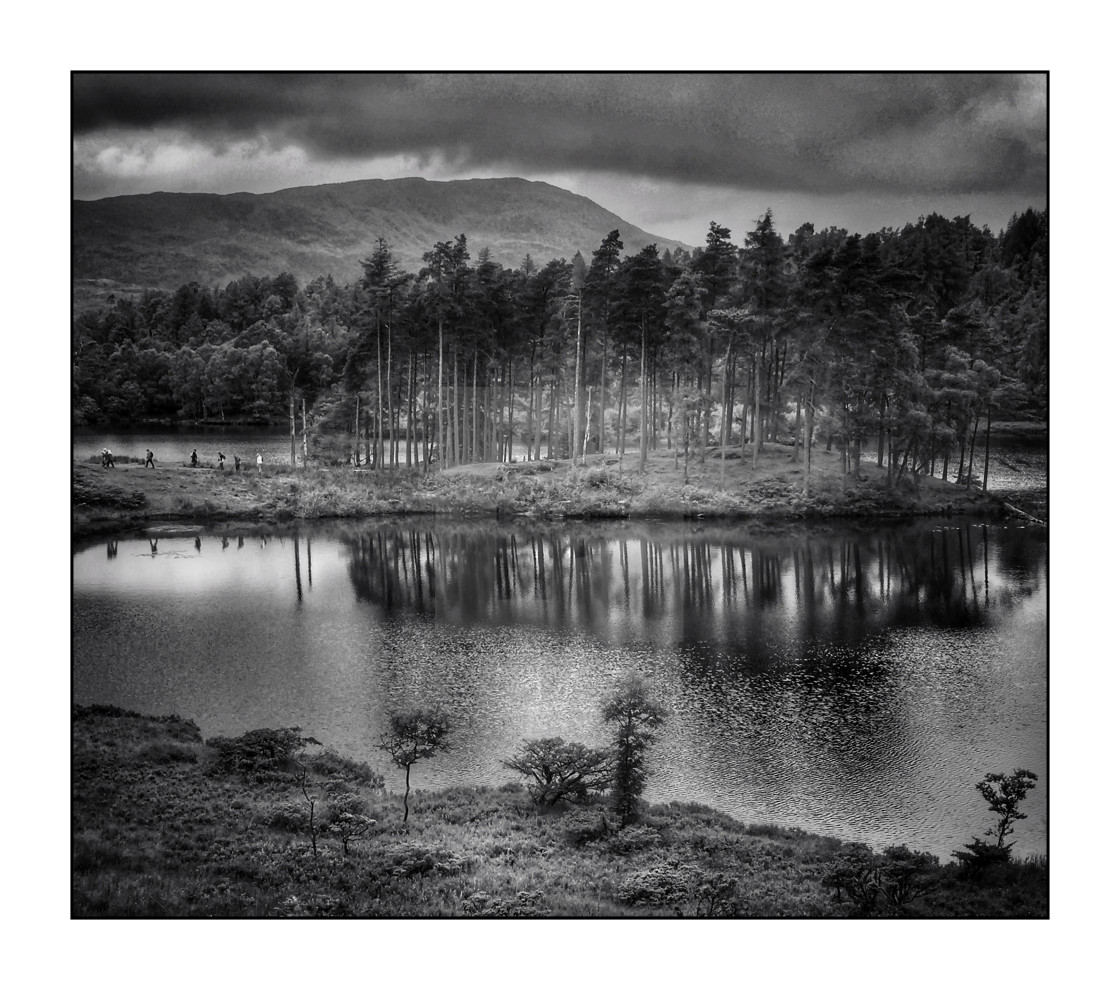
(130, 496)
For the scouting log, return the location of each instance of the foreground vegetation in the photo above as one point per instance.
(604, 488)
(272, 825)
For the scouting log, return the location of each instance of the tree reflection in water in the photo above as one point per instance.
(737, 588)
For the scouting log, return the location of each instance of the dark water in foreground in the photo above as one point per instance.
(851, 681)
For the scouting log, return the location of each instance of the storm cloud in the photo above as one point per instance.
(816, 134)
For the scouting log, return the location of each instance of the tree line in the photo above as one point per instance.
(898, 345)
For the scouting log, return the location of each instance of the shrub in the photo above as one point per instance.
(898, 875)
(330, 764)
(164, 753)
(561, 771)
(288, 818)
(258, 750)
(417, 861)
(586, 826)
(346, 819)
(686, 889)
(664, 884)
(523, 904)
(632, 840)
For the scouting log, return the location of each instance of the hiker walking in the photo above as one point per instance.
(194, 457)
(221, 461)
(107, 458)
(149, 459)
(236, 462)
(260, 463)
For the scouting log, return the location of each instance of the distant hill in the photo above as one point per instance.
(167, 239)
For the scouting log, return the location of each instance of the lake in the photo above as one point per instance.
(854, 680)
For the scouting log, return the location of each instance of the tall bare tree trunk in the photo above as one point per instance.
(602, 445)
(987, 445)
(756, 424)
(972, 449)
(530, 420)
(706, 416)
(410, 412)
(577, 405)
(643, 424)
(424, 425)
(393, 458)
(292, 422)
(474, 409)
(551, 416)
(806, 454)
(674, 415)
(357, 430)
(622, 418)
(587, 424)
(439, 403)
(453, 444)
(620, 440)
(511, 397)
(724, 436)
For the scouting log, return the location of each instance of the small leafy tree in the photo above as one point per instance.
(1004, 793)
(413, 736)
(562, 770)
(634, 717)
(346, 819)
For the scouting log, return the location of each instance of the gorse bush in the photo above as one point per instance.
(895, 878)
(259, 750)
(327, 763)
(165, 753)
(688, 890)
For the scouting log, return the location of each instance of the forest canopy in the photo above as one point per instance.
(899, 340)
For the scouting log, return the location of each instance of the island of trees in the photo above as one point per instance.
(898, 347)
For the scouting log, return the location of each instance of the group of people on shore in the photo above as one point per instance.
(236, 461)
(150, 460)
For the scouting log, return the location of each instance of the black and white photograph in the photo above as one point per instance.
(560, 495)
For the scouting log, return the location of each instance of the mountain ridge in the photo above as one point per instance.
(164, 240)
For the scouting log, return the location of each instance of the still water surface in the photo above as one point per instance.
(851, 681)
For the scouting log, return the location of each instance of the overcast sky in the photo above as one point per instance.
(669, 152)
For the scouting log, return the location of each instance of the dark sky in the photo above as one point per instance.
(666, 151)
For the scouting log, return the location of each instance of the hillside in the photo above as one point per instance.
(167, 239)
(167, 825)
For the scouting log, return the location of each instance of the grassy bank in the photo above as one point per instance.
(166, 825)
(604, 488)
